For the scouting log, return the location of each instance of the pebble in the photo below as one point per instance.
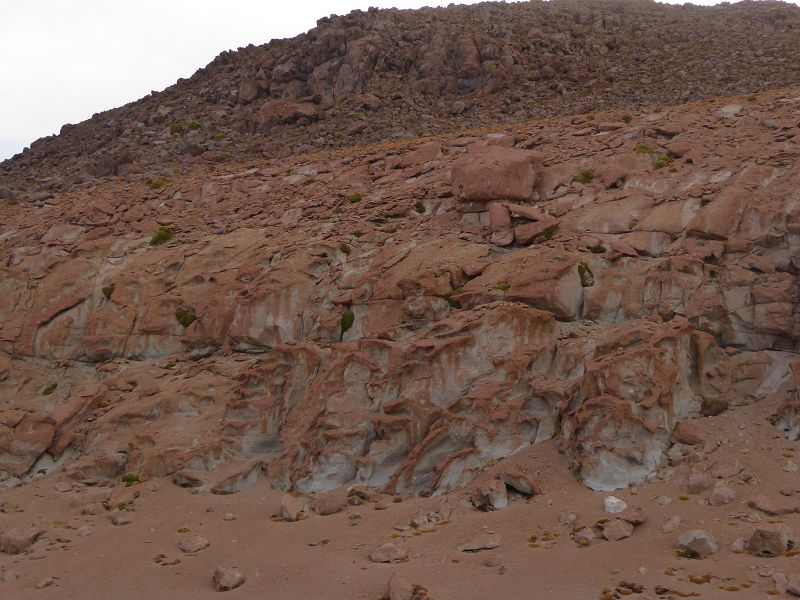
(119, 519)
(193, 543)
(617, 529)
(721, 495)
(614, 505)
(698, 542)
(388, 553)
(85, 530)
(485, 541)
(227, 578)
(768, 541)
(671, 524)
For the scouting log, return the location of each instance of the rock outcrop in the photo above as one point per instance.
(666, 298)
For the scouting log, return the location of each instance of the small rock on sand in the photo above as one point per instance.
(227, 578)
(698, 542)
(388, 553)
(193, 543)
(485, 541)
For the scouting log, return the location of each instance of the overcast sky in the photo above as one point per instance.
(63, 60)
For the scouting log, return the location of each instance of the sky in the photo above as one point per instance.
(63, 60)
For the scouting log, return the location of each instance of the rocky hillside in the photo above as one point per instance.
(402, 317)
(389, 75)
(478, 333)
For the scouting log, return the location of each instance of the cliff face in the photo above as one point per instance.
(389, 75)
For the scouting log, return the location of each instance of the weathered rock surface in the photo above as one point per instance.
(606, 336)
(195, 289)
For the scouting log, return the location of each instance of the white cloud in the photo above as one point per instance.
(63, 60)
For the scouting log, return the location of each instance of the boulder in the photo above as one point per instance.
(617, 529)
(193, 543)
(614, 505)
(292, 507)
(773, 506)
(528, 232)
(698, 543)
(725, 468)
(689, 433)
(768, 541)
(793, 584)
(671, 524)
(490, 496)
(633, 515)
(425, 153)
(388, 553)
(585, 536)
(721, 495)
(500, 222)
(248, 91)
(400, 588)
(328, 503)
(489, 173)
(519, 481)
(279, 112)
(697, 482)
(227, 578)
(17, 540)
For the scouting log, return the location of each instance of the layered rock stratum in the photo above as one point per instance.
(250, 302)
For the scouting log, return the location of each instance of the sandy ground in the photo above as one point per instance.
(327, 557)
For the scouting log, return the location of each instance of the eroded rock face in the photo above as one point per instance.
(351, 321)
